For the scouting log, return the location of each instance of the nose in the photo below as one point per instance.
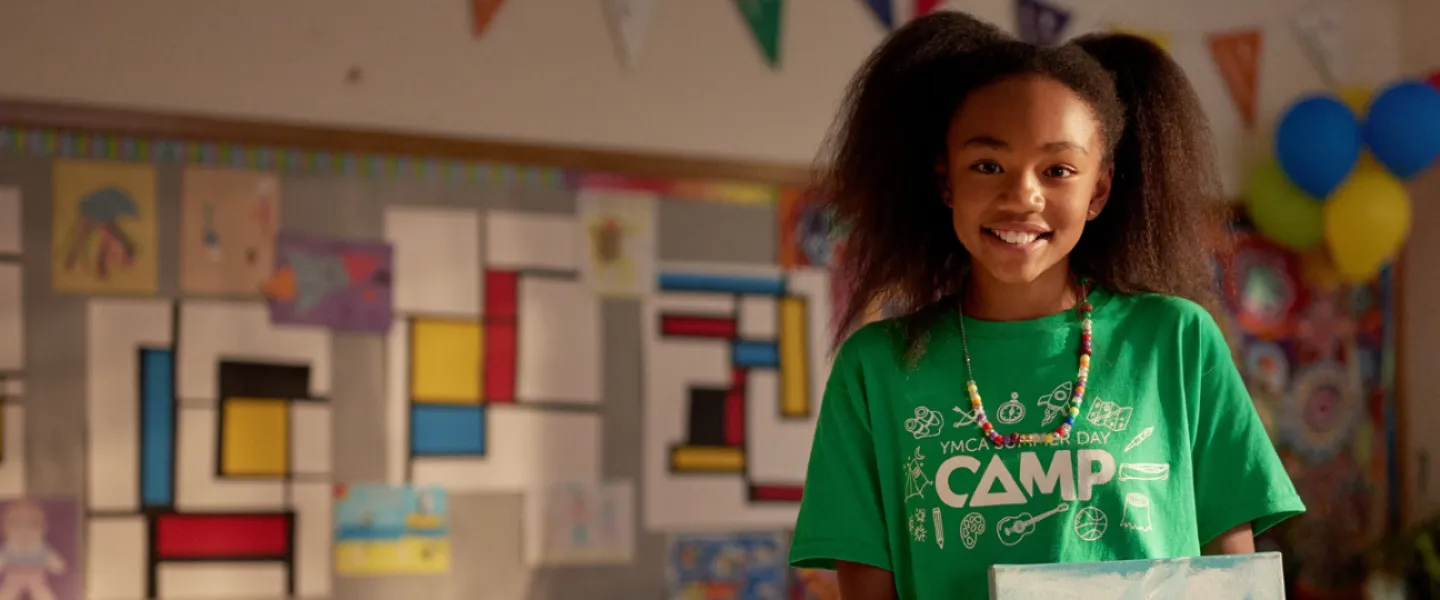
(1024, 192)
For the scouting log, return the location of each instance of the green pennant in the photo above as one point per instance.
(763, 16)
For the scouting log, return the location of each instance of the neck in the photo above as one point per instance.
(990, 299)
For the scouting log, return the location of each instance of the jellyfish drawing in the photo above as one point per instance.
(96, 234)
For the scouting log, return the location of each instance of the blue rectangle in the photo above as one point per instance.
(755, 354)
(437, 430)
(157, 427)
(725, 284)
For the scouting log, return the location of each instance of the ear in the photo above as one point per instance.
(1102, 193)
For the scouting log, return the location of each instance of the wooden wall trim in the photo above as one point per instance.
(192, 127)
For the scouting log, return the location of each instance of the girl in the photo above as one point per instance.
(1052, 396)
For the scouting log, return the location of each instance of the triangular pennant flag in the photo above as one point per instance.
(925, 7)
(481, 13)
(884, 11)
(1040, 22)
(1159, 38)
(763, 16)
(630, 26)
(1318, 30)
(1237, 54)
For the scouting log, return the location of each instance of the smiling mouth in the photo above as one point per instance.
(1017, 238)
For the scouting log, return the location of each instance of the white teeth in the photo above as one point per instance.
(1016, 237)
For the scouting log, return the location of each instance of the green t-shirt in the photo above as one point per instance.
(1167, 451)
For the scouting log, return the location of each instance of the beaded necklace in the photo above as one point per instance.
(1072, 408)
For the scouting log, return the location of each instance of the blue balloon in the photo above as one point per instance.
(1403, 127)
(1317, 144)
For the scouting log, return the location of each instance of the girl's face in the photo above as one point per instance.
(1026, 169)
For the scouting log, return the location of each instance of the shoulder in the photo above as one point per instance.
(1164, 312)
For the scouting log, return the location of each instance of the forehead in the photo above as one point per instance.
(1029, 110)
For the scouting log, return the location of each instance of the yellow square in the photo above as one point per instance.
(255, 437)
(445, 361)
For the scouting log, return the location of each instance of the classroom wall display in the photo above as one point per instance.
(391, 530)
(209, 452)
(619, 232)
(1251, 576)
(743, 565)
(39, 549)
(340, 284)
(12, 345)
(104, 238)
(228, 222)
(735, 367)
(590, 523)
(494, 383)
(1318, 358)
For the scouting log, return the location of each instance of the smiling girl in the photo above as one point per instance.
(1056, 393)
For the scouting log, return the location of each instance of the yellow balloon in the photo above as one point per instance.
(1356, 97)
(1366, 220)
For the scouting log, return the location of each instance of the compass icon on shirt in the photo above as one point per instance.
(1011, 412)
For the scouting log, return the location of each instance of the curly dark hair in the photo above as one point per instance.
(890, 135)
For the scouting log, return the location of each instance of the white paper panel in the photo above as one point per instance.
(12, 469)
(12, 318)
(212, 330)
(437, 259)
(777, 450)
(516, 240)
(197, 487)
(310, 438)
(312, 503)
(116, 331)
(559, 342)
(221, 581)
(115, 551)
(525, 448)
(397, 402)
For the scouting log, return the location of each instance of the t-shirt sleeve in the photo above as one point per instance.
(1238, 474)
(840, 512)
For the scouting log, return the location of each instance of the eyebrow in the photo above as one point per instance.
(986, 141)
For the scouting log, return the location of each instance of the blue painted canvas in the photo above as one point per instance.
(1232, 577)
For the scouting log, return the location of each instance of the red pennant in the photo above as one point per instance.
(1237, 55)
(481, 13)
(925, 7)
(1434, 79)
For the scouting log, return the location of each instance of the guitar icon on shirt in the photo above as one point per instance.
(1013, 529)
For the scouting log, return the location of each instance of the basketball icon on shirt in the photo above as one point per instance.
(1090, 523)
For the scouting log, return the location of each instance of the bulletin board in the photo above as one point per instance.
(320, 363)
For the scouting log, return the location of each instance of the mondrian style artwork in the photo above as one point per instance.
(735, 365)
(12, 346)
(209, 452)
(494, 356)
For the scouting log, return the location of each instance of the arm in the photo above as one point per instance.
(1240, 540)
(864, 582)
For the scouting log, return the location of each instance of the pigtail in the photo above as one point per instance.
(1164, 162)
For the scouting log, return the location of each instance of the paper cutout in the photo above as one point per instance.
(727, 565)
(104, 235)
(1159, 38)
(532, 241)
(1237, 55)
(1256, 576)
(1040, 22)
(884, 11)
(116, 548)
(43, 533)
(437, 259)
(502, 298)
(630, 26)
(339, 284)
(557, 345)
(581, 524)
(383, 530)
(445, 361)
(620, 241)
(437, 430)
(227, 478)
(764, 19)
(11, 215)
(1318, 30)
(228, 222)
(729, 419)
(925, 7)
(482, 12)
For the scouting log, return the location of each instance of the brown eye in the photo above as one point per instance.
(986, 167)
(1059, 172)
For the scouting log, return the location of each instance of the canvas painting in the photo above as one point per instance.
(1237, 577)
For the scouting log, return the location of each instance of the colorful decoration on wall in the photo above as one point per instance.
(41, 553)
(1041, 22)
(203, 466)
(808, 229)
(228, 222)
(620, 240)
(334, 283)
(385, 530)
(590, 523)
(748, 566)
(1237, 55)
(744, 348)
(488, 371)
(104, 238)
(629, 22)
(764, 18)
(482, 12)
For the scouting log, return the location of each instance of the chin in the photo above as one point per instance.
(1012, 273)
